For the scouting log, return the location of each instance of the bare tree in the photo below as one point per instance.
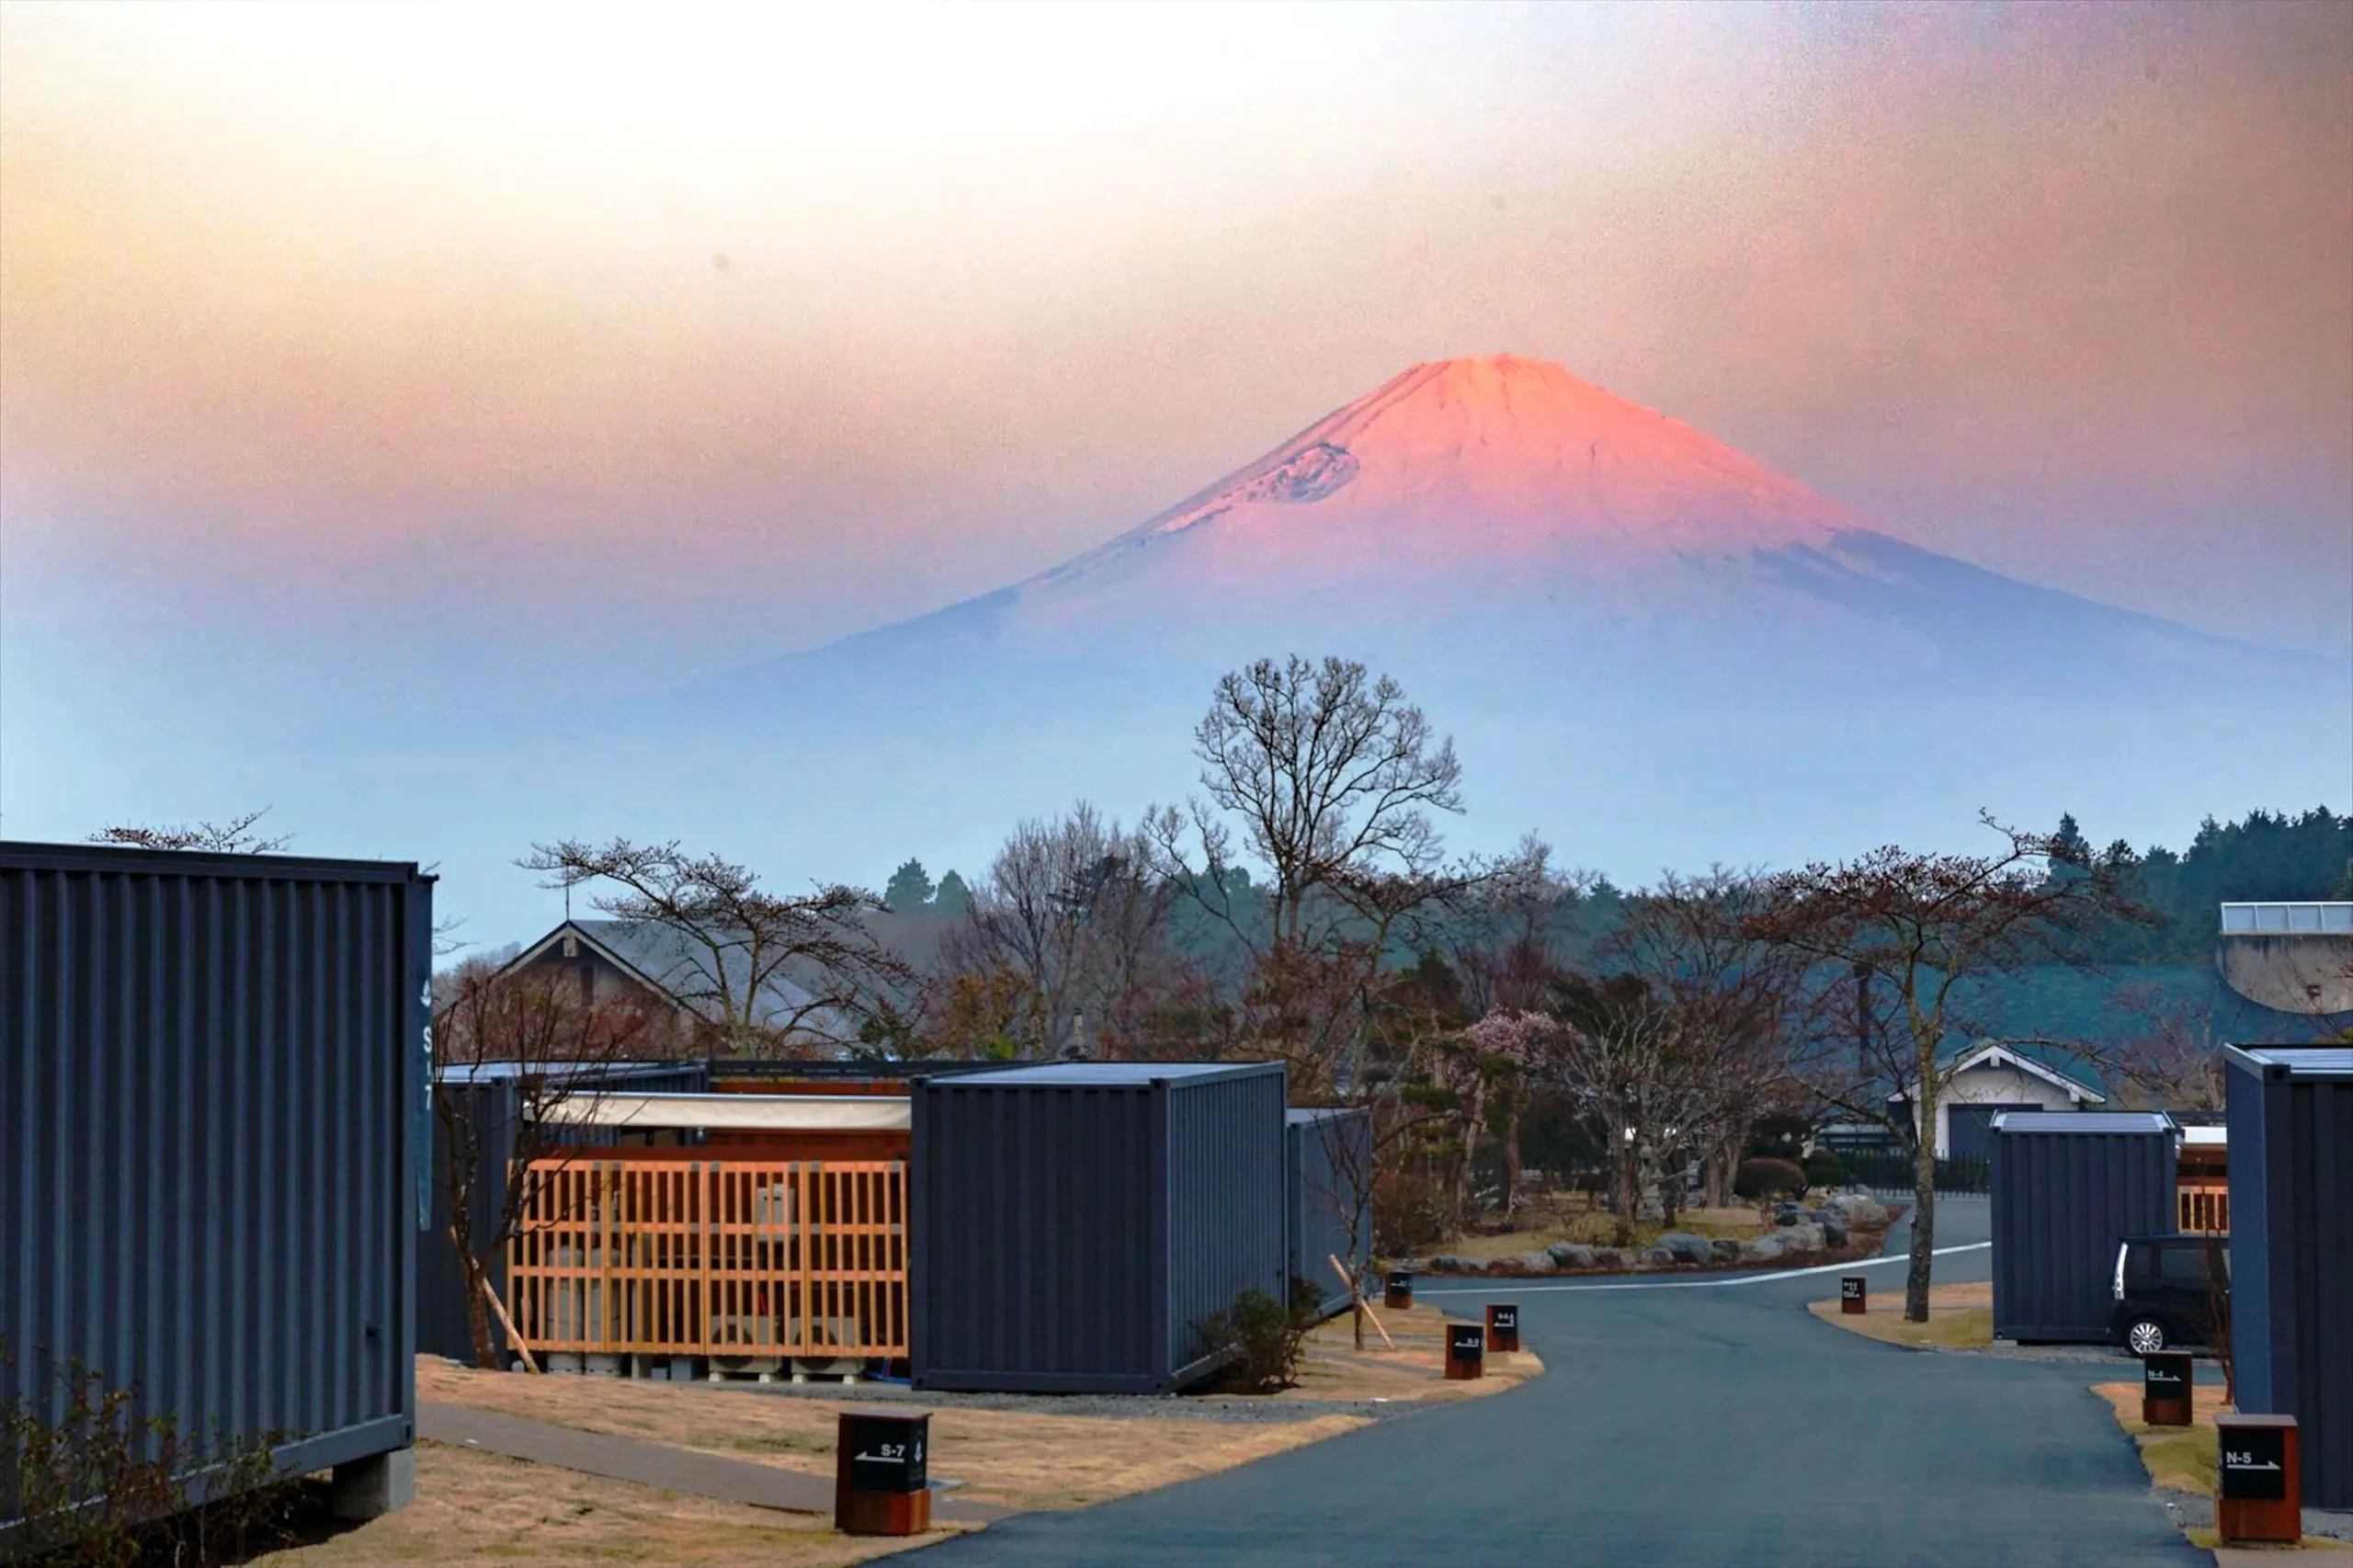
(552, 1047)
(1924, 926)
(1510, 938)
(234, 836)
(1330, 777)
(1744, 1008)
(770, 972)
(1623, 1056)
(1073, 908)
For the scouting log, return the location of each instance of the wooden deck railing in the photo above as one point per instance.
(2205, 1207)
(713, 1258)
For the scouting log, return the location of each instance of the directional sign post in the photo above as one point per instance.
(881, 1472)
(1851, 1294)
(1502, 1326)
(2165, 1387)
(2259, 1483)
(1466, 1351)
(1397, 1290)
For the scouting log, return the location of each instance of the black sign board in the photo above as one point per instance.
(2165, 1374)
(1466, 1342)
(887, 1452)
(2254, 1463)
(1400, 1279)
(1850, 1287)
(1506, 1319)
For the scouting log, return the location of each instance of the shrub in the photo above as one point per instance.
(1823, 1168)
(1778, 1137)
(1266, 1336)
(1410, 1213)
(87, 1479)
(1765, 1178)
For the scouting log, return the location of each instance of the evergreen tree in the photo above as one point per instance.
(909, 888)
(953, 900)
(2068, 845)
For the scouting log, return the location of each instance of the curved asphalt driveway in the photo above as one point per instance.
(1675, 1427)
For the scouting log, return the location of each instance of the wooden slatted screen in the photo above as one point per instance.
(2205, 1207)
(713, 1258)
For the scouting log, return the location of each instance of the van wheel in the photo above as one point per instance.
(2145, 1337)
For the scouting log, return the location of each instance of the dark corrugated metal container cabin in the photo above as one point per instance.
(2292, 1250)
(213, 1138)
(1327, 1166)
(483, 1096)
(1073, 1224)
(2068, 1186)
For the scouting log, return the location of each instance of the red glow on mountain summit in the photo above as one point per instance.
(1518, 452)
(1458, 466)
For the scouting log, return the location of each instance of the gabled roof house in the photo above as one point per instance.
(1984, 1079)
(697, 988)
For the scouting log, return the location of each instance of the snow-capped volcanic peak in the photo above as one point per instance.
(1494, 454)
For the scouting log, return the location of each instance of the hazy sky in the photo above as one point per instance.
(391, 353)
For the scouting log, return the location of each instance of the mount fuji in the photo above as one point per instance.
(1650, 648)
(1499, 506)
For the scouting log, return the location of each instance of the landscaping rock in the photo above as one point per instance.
(1801, 1238)
(1452, 1263)
(1608, 1257)
(1833, 1233)
(1787, 1214)
(1762, 1249)
(1658, 1257)
(1520, 1263)
(1569, 1254)
(1859, 1209)
(1724, 1249)
(1685, 1247)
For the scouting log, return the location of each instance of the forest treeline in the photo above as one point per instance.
(2264, 856)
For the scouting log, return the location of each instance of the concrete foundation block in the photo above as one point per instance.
(363, 1489)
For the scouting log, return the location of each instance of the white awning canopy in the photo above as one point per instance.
(765, 1113)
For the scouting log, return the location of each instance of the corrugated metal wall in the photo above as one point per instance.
(211, 1136)
(1225, 1207)
(2253, 1156)
(2291, 1252)
(1327, 1159)
(2062, 1200)
(442, 1328)
(1069, 1224)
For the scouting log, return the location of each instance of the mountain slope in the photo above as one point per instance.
(1499, 506)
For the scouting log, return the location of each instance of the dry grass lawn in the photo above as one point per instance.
(1414, 1370)
(1961, 1317)
(1568, 1217)
(477, 1507)
(2181, 1459)
(1011, 1458)
(2184, 1459)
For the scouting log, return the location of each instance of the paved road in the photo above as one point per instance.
(1675, 1427)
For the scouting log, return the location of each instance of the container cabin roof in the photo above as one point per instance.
(2134, 1123)
(2303, 1060)
(1124, 1075)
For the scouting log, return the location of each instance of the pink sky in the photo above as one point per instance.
(656, 340)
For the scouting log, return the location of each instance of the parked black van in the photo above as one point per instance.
(2164, 1295)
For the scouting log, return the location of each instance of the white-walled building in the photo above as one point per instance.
(1993, 1076)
